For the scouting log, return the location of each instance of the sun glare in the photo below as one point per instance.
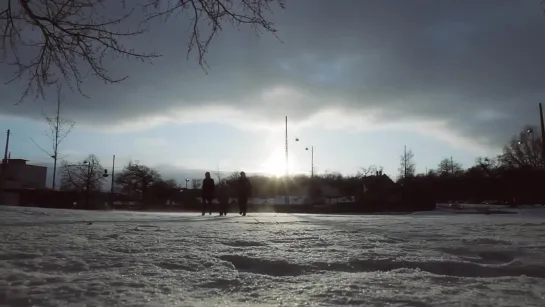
(275, 164)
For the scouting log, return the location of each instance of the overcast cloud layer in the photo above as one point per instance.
(471, 69)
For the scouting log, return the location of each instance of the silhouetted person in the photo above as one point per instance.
(244, 191)
(223, 199)
(208, 187)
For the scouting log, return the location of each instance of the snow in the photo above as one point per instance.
(293, 200)
(78, 258)
(297, 200)
(281, 200)
(527, 210)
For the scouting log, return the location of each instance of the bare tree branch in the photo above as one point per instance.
(136, 180)
(87, 173)
(218, 174)
(449, 167)
(70, 39)
(407, 167)
(59, 128)
(369, 171)
(195, 184)
(523, 150)
(41, 148)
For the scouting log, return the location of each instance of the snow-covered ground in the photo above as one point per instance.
(293, 200)
(78, 258)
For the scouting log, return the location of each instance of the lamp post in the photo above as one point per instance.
(542, 126)
(529, 143)
(286, 187)
(530, 132)
(112, 182)
(186, 181)
(311, 159)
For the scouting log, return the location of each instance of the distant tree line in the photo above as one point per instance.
(136, 181)
(514, 176)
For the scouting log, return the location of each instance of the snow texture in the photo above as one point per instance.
(78, 258)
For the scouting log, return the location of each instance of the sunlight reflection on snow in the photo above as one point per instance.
(57, 257)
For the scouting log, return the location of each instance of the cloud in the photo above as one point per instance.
(469, 72)
(151, 142)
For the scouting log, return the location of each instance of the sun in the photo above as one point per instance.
(275, 164)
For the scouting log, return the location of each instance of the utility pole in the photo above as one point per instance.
(542, 132)
(56, 144)
(4, 163)
(7, 147)
(312, 162)
(113, 175)
(405, 161)
(88, 186)
(451, 166)
(287, 197)
(112, 183)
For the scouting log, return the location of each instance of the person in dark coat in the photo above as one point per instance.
(208, 187)
(244, 191)
(223, 198)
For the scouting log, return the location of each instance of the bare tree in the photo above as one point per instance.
(59, 128)
(448, 167)
(524, 150)
(85, 176)
(218, 174)
(69, 39)
(369, 171)
(233, 177)
(489, 165)
(136, 180)
(195, 184)
(431, 173)
(407, 167)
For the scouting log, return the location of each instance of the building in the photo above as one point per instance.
(18, 176)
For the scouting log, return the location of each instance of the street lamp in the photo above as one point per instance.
(186, 181)
(531, 155)
(311, 160)
(529, 132)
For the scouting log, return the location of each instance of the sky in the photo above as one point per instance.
(357, 79)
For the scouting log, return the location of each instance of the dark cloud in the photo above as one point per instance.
(478, 65)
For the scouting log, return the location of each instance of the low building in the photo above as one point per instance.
(19, 176)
